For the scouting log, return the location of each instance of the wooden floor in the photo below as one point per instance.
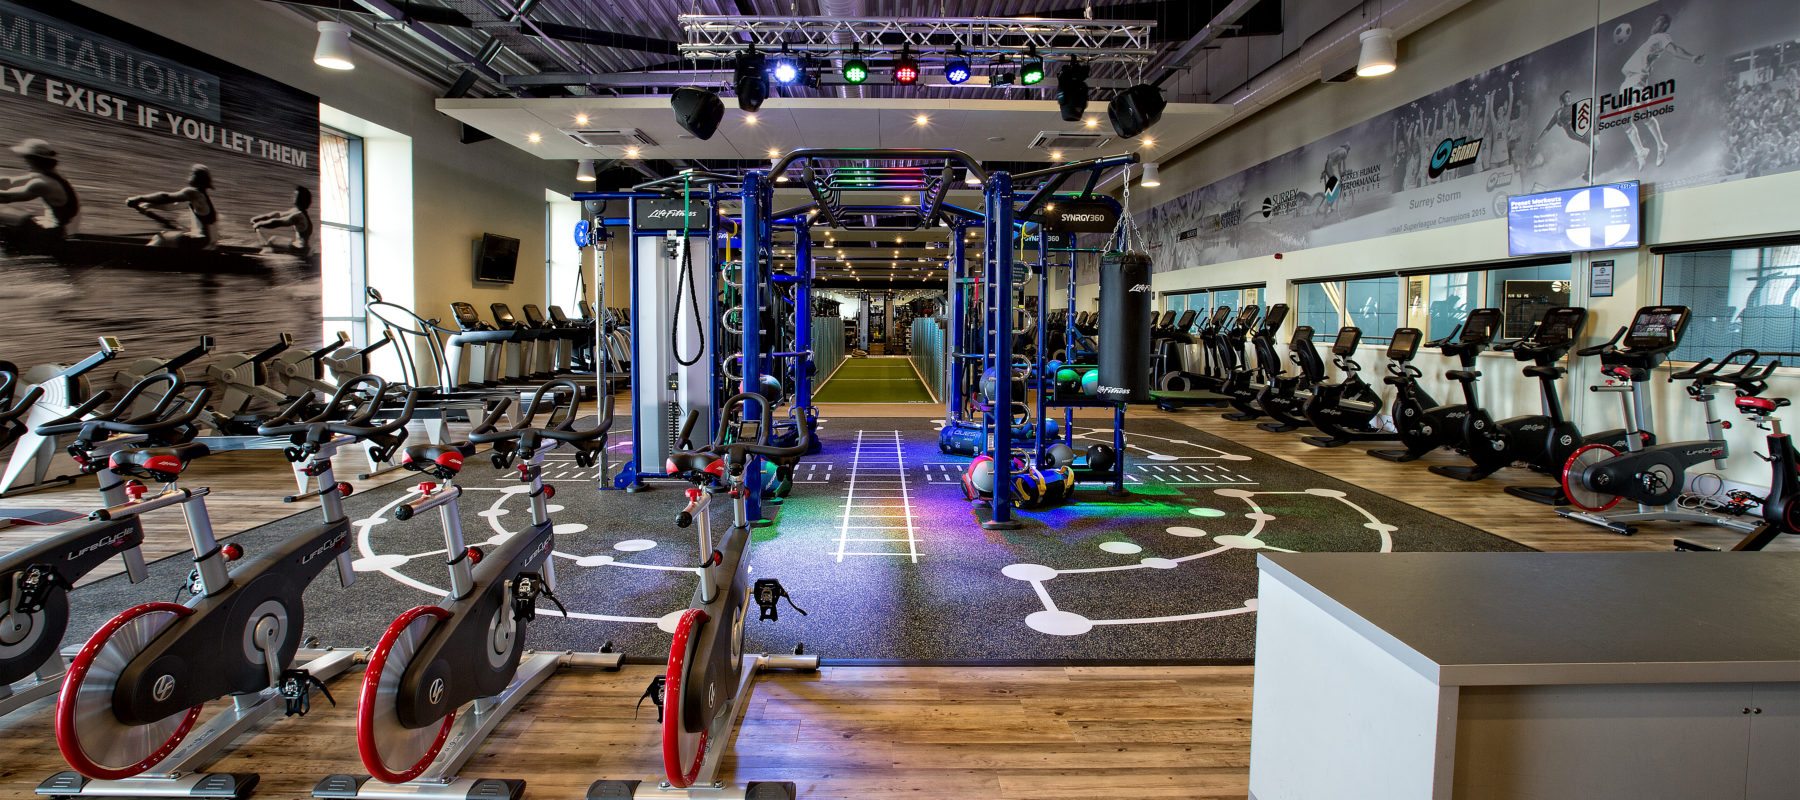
(862, 732)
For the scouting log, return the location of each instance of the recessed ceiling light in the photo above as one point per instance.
(631, 152)
(1091, 122)
(774, 152)
(534, 137)
(749, 119)
(921, 120)
(1056, 155)
(996, 138)
(581, 119)
(1149, 141)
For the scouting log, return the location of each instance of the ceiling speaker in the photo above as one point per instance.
(1136, 109)
(697, 111)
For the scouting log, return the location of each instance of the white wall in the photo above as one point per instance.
(1478, 36)
(455, 192)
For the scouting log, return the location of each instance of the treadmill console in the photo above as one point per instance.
(1656, 328)
(1247, 316)
(1404, 345)
(503, 316)
(1348, 337)
(466, 316)
(1219, 316)
(534, 316)
(1271, 321)
(1186, 322)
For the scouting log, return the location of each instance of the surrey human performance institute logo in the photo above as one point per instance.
(1453, 153)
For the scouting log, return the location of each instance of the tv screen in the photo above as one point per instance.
(1606, 217)
(497, 258)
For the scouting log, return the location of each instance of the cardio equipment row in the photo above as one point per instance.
(1590, 474)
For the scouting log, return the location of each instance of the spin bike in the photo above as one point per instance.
(126, 717)
(1781, 508)
(1420, 422)
(709, 676)
(444, 676)
(35, 580)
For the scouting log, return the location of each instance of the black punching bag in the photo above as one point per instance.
(1125, 327)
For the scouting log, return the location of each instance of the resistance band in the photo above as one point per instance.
(693, 291)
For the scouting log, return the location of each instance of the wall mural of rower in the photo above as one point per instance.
(148, 191)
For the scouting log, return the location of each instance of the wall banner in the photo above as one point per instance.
(149, 192)
(1690, 93)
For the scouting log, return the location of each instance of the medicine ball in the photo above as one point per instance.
(1059, 455)
(978, 478)
(1100, 457)
(770, 387)
(1067, 379)
(1090, 383)
(1052, 429)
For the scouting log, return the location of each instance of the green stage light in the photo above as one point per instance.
(1032, 70)
(855, 71)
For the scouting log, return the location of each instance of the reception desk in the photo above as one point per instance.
(1406, 676)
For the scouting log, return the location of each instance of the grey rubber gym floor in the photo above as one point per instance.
(878, 544)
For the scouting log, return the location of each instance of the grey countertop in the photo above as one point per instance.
(1474, 619)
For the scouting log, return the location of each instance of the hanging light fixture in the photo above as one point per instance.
(1152, 175)
(333, 51)
(906, 68)
(1031, 72)
(1379, 53)
(585, 171)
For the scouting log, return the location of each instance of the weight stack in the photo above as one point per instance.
(1125, 327)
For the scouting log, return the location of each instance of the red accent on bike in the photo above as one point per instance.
(66, 739)
(232, 552)
(475, 555)
(1755, 404)
(1568, 469)
(167, 465)
(716, 468)
(680, 776)
(136, 490)
(344, 488)
(549, 492)
(365, 706)
(450, 460)
(427, 487)
(693, 495)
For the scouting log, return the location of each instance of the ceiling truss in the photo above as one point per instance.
(1118, 41)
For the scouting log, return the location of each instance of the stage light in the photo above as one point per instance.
(1136, 110)
(906, 68)
(584, 172)
(333, 51)
(751, 80)
(786, 70)
(1031, 72)
(1000, 73)
(855, 69)
(1379, 53)
(1152, 175)
(956, 69)
(1072, 90)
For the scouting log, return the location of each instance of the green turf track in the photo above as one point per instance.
(877, 379)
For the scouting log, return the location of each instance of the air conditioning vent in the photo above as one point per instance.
(1070, 140)
(627, 137)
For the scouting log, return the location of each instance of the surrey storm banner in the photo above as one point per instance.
(1689, 92)
(148, 192)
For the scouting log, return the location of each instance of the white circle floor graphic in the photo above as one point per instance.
(1054, 621)
(371, 559)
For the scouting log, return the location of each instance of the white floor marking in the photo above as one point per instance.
(1057, 622)
(882, 479)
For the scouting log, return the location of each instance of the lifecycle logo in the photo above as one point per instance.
(1453, 153)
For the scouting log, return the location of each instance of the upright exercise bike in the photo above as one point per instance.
(1348, 410)
(443, 676)
(1420, 422)
(709, 675)
(126, 716)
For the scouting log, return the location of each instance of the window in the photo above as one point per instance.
(1744, 297)
(1372, 304)
(1436, 304)
(342, 256)
(1182, 301)
(1523, 294)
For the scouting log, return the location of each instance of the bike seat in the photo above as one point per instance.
(1463, 375)
(442, 460)
(158, 463)
(1543, 372)
(692, 462)
(1760, 405)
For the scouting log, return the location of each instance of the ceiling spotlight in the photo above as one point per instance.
(749, 119)
(1031, 72)
(1379, 53)
(1152, 175)
(1072, 90)
(774, 152)
(921, 120)
(1056, 155)
(786, 70)
(1149, 141)
(906, 68)
(581, 119)
(751, 80)
(584, 172)
(333, 51)
(534, 137)
(956, 69)
(632, 152)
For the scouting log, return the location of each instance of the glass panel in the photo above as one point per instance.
(1448, 298)
(1744, 297)
(1523, 294)
(1316, 304)
(335, 179)
(1374, 306)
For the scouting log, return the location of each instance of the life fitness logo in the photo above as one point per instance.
(1453, 153)
(666, 213)
(1142, 287)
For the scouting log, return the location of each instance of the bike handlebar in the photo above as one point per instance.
(354, 424)
(1454, 332)
(737, 450)
(1608, 346)
(556, 429)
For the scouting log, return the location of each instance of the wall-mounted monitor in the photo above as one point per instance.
(496, 258)
(1606, 217)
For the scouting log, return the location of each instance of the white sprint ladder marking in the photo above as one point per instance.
(871, 521)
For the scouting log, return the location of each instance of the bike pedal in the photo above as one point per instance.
(296, 687)
(656, 694)
(768, 593)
